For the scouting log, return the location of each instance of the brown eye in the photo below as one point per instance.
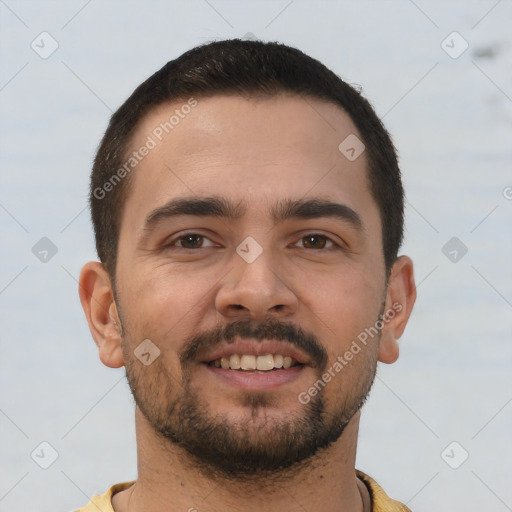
(191, 241)
(315, 241)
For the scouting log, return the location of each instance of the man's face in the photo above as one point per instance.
(266, 268)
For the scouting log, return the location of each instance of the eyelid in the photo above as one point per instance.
(331, 238)
(174, 239)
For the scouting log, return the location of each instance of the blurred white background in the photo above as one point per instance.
(449, 109)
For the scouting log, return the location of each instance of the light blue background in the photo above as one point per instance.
(451, 121)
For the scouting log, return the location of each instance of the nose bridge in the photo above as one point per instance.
(256, 265)
(254, 285)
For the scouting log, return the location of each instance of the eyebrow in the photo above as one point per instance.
(222, 208)
(315, 208)
(199, 207)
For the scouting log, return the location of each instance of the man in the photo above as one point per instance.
(248, 210)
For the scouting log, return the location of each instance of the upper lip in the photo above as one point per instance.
(258, 348)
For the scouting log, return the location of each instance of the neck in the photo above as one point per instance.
(168, 477)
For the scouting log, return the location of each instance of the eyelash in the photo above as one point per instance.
(172, 243)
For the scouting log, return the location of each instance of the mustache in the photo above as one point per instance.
(200, 344)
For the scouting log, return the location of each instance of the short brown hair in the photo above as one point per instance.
(248, 68)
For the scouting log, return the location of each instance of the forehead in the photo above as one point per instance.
(251, 150)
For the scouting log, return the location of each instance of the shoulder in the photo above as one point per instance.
(103, 502)
(381, 502)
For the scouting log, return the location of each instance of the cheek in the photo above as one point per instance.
(343, 302)
(161, 305)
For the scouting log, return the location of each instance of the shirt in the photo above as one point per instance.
(381, 502)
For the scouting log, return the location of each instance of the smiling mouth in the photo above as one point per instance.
(255, 364)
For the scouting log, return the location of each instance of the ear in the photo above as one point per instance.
(400, 298)
(97, 300)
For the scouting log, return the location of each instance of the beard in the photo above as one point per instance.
(260, 445)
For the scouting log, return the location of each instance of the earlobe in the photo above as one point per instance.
(98, 303)
(400, 298)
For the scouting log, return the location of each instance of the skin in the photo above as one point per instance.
(255, 152)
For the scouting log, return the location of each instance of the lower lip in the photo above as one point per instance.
(246, 380)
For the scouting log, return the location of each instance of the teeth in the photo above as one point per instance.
(234, 362)
(248, 362)
(265, 362)
(278, 361)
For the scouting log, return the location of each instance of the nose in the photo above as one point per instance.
(255, 290)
